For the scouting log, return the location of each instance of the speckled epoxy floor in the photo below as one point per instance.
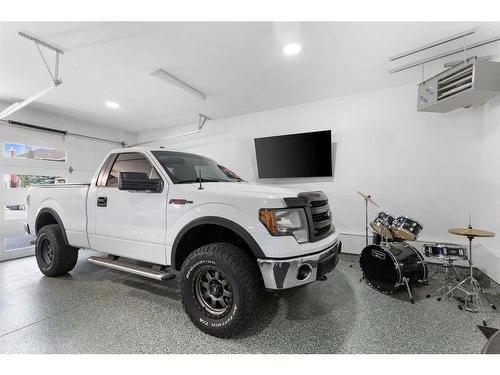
(98, 310)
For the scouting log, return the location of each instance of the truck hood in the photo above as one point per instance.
(248, 189)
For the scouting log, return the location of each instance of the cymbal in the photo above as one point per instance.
(368, 198)
(471, 232)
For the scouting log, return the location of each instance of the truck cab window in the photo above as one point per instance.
(130, 162)
(187, 168)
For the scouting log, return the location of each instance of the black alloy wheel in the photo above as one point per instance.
(47, 252)
(213, 291)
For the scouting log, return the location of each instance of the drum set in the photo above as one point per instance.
(390, 263)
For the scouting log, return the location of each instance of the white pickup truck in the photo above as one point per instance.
(154, 212)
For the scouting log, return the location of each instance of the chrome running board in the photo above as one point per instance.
(117, 264)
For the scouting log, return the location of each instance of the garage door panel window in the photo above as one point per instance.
(16, 241)
(130, 162)
(23, 151)
(14, 181)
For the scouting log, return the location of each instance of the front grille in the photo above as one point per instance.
(321, 231)
(321, 217)
(319, 203)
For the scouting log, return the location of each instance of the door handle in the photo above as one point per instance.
(102, 201)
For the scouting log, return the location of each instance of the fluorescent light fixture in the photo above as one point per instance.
(165, 138)
(112, 105)
(166, 76)
(292, 49)
(201, 122)
(18, 105)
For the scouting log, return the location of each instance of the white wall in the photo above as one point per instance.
(490, 186)
(437, 168)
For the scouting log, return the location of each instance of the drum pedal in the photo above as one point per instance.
(322, 278)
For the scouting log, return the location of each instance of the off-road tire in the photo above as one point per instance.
(63, 257)
(242, 274)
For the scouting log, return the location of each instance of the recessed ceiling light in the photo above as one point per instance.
(112, 105)
(292, 49)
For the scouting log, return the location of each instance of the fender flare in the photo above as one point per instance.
(215, 220)
(52, 212)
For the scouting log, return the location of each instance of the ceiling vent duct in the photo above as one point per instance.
(466, 84)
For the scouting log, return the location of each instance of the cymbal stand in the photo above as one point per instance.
(367, 198)
(470, 286)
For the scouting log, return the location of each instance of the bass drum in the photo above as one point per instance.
(387, 266)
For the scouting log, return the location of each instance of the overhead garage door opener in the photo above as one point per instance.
(56, 80)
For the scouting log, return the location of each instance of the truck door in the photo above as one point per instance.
(131, 224)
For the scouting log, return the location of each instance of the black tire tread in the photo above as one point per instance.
(244, 270)
(65, 256)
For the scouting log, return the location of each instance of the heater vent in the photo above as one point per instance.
(471, 82)
(455, 83)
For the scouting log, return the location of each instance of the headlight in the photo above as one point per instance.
(285, 222)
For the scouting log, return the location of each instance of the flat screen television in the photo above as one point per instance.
(295, 155)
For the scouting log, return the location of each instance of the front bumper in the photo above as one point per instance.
(289, 273)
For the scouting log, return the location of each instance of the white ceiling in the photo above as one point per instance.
(240, 66)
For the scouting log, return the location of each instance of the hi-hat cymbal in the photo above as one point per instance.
(471, 232)
(368, 198)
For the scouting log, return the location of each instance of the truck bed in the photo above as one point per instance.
(69, 201)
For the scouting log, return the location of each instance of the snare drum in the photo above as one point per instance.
(382, 224)
(406, 228)
(445, 250)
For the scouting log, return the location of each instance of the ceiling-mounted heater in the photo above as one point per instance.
(469, 82)
(466, 84)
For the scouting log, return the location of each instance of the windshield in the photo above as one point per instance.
(187, 168)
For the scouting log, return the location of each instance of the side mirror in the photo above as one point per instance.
(138, 182)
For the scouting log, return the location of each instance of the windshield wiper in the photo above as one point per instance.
(203, 179)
